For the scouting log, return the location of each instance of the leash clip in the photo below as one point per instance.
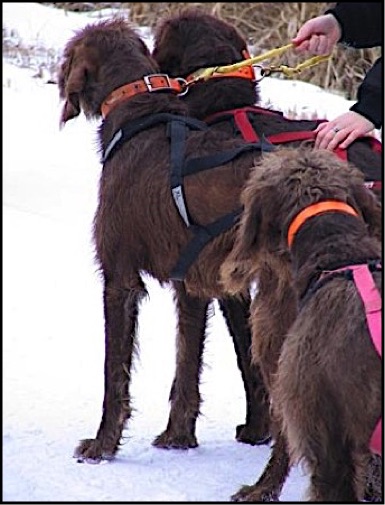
(183, 84)
(260, 72)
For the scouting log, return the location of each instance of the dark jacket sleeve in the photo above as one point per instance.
(370, 95)
(361, 23)
(362, 27)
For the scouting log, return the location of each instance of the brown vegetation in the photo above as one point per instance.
(266, 25)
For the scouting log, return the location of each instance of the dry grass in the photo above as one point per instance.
(266, 26)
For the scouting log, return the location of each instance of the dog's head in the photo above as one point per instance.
(281, 184)
(97, 60)
(194, 39)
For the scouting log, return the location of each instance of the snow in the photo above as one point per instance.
(53, 334)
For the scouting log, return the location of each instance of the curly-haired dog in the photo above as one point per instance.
(185, 44)
(154, 209)
(308, 214)
(188, 43)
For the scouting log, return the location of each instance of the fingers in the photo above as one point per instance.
(319, 45)
(301, 46)
(342, 131)
(306, 30)
(318, 35)
(351, 137)
(329, 136)
(316, 45)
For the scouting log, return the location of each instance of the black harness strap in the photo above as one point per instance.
(181, 168)
(177, 131)
(143, 123)
(202, 235)
(194, 165)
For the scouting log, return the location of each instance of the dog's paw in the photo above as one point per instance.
(168, 440)
(251, 435)
(255, 494)
(91, 451)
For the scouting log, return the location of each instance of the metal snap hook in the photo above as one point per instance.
(184, 84)
(260, 72)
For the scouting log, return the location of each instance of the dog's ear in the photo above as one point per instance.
(240, 267)
(72, 81)
(168, 50)
(370, 208)
(251, 223)
(71, 89)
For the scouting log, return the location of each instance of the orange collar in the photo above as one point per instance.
(313, 210)
(149, 83)
(244, 72)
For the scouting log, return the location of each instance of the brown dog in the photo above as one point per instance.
(183, 45)
(326, 386)
(187, 43)
(154, 209)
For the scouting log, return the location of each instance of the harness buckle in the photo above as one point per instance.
(152, 82)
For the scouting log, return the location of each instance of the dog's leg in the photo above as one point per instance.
(256, 429)
(121, 317)
(184, 395)
(269, 486)
(338, 469)
(272, 311)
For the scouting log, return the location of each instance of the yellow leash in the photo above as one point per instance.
(206, 73)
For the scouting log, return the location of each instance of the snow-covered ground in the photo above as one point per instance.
(53, 339)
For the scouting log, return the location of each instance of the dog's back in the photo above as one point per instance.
(194, 40)
(329, 389)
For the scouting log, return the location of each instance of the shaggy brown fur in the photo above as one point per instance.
(137, 228)
(183, 44)
(326, 384)
(193, 40)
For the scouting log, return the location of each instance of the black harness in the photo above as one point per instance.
(178, 128)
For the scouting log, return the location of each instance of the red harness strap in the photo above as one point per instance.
(244, 126)
(249, 134)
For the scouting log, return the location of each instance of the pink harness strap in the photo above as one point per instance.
(375, 443)
(373, 304)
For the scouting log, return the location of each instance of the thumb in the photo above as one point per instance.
(303, 33)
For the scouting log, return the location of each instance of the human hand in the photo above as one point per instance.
(342, 131)
(318, 36)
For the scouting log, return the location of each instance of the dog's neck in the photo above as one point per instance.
(130, 108)
(148, 84)
(217, 95)
(329, 241)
